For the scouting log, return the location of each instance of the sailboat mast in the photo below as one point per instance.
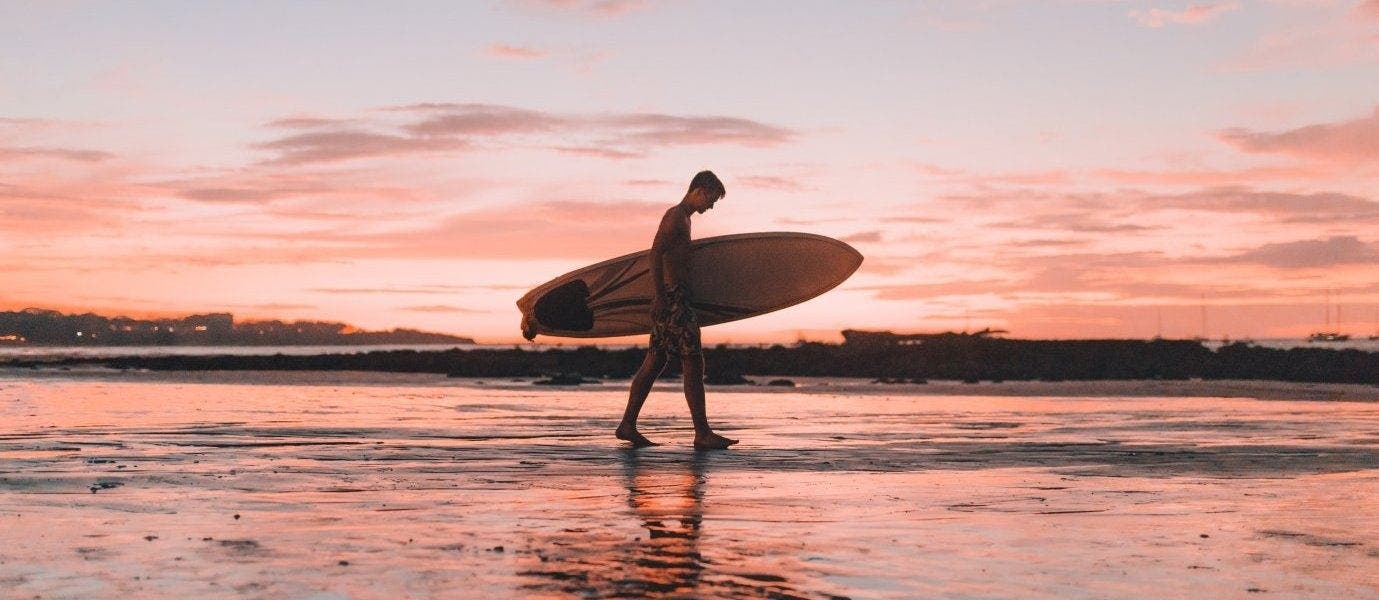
(1204, 316)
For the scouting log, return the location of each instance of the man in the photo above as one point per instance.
(674, 331)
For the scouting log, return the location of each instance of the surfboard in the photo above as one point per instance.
(731, 277)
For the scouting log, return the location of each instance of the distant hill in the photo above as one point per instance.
(40, 327)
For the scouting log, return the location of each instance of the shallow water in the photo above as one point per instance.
(377, 487)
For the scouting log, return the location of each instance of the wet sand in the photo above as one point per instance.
(364, 486)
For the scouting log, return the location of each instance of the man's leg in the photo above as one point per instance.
(692, 369)
(651, 368)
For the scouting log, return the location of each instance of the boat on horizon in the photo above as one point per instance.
(1328, 336)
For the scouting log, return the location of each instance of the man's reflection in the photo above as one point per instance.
(670, 504)
(665, 497)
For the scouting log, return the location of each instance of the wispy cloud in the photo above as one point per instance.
(448, 127)
(1284, 207)
(328, 146)
(439, 308)
(863, 237)
(771, 182)
(602, 9)
(1073, 222)
(1195, 14)
(1336, 38)
(565, 230)
(596, 152)
(1127, 210)
(307, 122)
(1350, 141)
(1368, 9)
(514, 52)
(75, 154)
(410, 290)
(1310, 254)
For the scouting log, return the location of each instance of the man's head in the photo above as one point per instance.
(704, 190)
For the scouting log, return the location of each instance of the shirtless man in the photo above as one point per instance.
(674, 331)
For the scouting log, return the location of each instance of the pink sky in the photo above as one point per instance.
(1058, 169)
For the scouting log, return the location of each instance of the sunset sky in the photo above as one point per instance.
(1058, 168)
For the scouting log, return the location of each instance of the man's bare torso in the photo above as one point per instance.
(670, 251)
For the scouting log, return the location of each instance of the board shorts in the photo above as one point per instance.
(674, 329)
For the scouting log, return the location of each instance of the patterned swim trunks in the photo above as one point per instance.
(674, 329)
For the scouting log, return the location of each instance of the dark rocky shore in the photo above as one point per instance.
(943, 356)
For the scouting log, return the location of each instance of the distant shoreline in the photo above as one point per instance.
(943, 357)
(840, 386)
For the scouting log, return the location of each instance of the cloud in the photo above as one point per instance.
(652, 129)
(916, 291)
(671, 130)
(609, 153)
(1050, 177)
(306, 122)
(1285, 207)
(480, 120)
(863, 237)
(60, 153)
(250, 188)
(887, 266)
(1340, 38)
(445, 127)
(768, 182)
(1077, 222)
(1047, 243)
(1368, 9)
(276, 306)
(569, 230)
(588, 8)
(45, 203)
(1351, 141)
(1311, 254)
(1196, 14)
(1209, 177)
(329, 146)
(511, 52)
(1126, 210)
(408, 290)
(439, 308)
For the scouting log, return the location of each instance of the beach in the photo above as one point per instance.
(375, 485)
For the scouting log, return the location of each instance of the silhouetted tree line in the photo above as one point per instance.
(955, 357)
(39, 327)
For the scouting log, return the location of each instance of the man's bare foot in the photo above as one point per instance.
(632, 435)
(712, 441)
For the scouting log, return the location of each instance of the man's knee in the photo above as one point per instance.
(655, 359)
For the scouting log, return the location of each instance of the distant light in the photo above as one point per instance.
(78, 334)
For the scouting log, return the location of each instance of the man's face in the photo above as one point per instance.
(706, 200)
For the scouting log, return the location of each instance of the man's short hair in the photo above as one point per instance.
(709, 182)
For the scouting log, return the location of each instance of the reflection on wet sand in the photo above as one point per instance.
(666, 500)
(177, 489)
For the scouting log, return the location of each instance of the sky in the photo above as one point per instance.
(1055, 168)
